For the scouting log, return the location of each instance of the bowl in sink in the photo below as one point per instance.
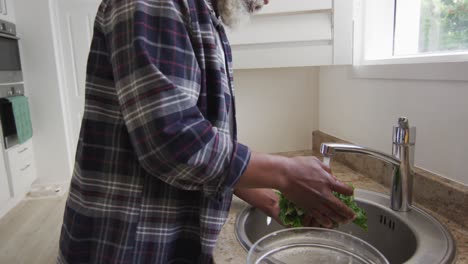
(313, 245)
(402, 237)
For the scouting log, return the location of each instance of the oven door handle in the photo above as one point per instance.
(3, 35)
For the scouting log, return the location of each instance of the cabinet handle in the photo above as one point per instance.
(23, 150)
(26, 167)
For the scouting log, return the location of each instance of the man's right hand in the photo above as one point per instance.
(310, 186)
(306, 181)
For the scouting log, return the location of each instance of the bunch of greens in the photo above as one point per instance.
(361, 216)
(291, 215)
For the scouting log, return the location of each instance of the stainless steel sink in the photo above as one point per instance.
(402, 237)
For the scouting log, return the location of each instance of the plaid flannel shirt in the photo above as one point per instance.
(155, 163)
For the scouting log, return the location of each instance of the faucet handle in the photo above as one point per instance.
(403, 133)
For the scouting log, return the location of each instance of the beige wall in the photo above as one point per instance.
(277, 108)
(363, 111)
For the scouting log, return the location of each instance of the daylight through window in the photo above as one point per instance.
(431, 26)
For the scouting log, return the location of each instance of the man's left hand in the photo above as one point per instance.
(267, 201)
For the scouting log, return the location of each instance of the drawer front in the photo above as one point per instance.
(21, 167)
(28, 173)
(24, 178)
(19, 153)
(25, 165)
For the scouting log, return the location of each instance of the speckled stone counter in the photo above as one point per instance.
(228, 249)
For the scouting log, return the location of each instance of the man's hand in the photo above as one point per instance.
(267, 201)
(310, 186)
(306, 181)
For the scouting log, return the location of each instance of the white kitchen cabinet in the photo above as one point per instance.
(5, 194)
(7, 10)
(21, 168)
(295, 34)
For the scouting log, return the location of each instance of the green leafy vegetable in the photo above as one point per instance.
(361, 216)
(291, 215)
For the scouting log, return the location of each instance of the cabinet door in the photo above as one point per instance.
(75, 20)
(287, 6)
(21, 168)
(285, 28)
(7, 11)
(295, 34)
(286, 34)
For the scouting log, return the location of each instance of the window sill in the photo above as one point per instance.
(452, 67)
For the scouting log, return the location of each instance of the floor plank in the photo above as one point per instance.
(29, 233)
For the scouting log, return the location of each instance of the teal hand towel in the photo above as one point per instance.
(22, 117)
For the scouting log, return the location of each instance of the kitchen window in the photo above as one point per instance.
(431, 27)
(406, 32)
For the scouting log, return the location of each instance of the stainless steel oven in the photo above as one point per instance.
(10, 60)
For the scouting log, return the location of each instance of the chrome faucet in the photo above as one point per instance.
(402, 161)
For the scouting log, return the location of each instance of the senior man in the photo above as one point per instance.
(158, 158)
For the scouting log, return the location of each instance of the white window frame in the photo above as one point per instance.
(373, 27)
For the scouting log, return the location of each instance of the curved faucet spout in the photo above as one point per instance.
(330, 149)
(402, 161)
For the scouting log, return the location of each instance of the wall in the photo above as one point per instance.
(41, 83)
(277, 108)
(364, 110)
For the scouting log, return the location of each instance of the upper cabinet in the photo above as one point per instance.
(7, 11)
(295, 34)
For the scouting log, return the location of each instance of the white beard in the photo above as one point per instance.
(236, 13)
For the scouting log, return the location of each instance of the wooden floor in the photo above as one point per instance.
(29, 233)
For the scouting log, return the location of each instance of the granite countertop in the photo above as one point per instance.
(228, 249)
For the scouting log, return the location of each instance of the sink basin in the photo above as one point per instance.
(402, 237)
